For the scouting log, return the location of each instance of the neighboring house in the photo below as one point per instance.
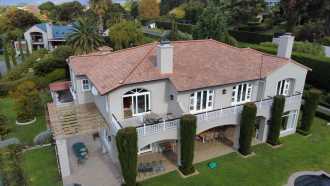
(46, 35)
(272, 2)
(150, 86)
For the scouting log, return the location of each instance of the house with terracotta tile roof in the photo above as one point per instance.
(150, 86)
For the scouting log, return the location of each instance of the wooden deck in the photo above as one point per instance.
(67, 121)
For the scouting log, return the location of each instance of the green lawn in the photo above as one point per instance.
(40, 167)
(24, 133)
(269, 167)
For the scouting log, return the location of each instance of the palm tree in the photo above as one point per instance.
(100, 8)
(84, 38)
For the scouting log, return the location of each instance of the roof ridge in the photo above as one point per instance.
(135, 67)
(118, 51)
(266, 54)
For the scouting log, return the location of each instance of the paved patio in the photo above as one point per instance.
(206, 151)
(98, 170)
(155, 156)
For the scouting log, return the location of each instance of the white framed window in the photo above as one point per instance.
(145, 149)
(136, 102)
(288, 120)
(283, 87)
(86, 85)
(201, 101)
(242, 93)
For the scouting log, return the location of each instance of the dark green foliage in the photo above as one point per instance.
(21, 19)
(319, 76)
(187, 138)
(46, 7)
(247, 125)
(126, 140)
(67, 12)
(168, 5)
(250, 37)
(11, 171)
(194, 10)
(276, 120)
(4, 128)
(310, 106)
(135, 9)
(55, 75)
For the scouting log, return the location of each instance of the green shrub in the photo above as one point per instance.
(11, 171)
(187, 139)
(276, 120)
(250, 37)
(126, 141)
(248, 119)
(309, 48)
(4, 128)
(326, 41)
(310, 106)
(57, 74)
(268, 44)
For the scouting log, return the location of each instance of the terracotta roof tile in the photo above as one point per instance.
(197, 64)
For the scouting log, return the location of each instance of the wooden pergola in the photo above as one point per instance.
(71, 120)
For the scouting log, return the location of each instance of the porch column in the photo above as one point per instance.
(178, 146)
(236, 137)
(63, 157)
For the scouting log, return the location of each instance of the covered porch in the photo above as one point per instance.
(80, 124)
(60, 92)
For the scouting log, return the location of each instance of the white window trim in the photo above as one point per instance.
(136, 106)
(247, 97)
(82, 85)
(193, 101)
(283, 87)
(145, 150)
(294, 120)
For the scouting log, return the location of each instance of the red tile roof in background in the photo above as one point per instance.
(58, 86)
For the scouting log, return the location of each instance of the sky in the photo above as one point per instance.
(17, 2)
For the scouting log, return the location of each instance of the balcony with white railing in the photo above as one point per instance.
(205, 120)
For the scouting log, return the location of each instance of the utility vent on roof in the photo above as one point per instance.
(165, 57)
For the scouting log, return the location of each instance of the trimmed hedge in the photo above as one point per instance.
(250, 37)
(126, 141)
(188, 125)
(188, 28)
(310, 106)
(248, 119)
(276, 120)
(318, 77)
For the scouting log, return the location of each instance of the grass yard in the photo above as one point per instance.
(24, 133)
(40, 167)
(269, 167)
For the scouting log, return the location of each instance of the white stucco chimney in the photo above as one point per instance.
(165, 57)
(285, 45)
(49, 30)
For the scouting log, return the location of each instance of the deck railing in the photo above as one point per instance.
(208, 116)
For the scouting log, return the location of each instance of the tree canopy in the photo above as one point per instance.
(126, 34)
(85, 37)
(67, 12)
(149, 9)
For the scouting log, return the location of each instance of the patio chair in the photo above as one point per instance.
(80, 151)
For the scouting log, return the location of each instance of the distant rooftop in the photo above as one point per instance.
(59, 31)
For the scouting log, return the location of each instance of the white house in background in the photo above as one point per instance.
(150, 87)
(46, 35)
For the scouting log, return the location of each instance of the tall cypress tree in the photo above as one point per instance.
(248, 119)
(276, 120)
(187, 139)
(311, 103)
(126, 140)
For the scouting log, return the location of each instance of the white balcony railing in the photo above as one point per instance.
(222, 114)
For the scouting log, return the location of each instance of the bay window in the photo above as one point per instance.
(242, 93)
(201, 101)
(283, 87)
(136, 102)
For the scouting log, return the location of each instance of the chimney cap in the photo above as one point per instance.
(287, 34)
(165, 42)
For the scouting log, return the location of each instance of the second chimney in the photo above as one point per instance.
(165, 57)
(285, 45)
